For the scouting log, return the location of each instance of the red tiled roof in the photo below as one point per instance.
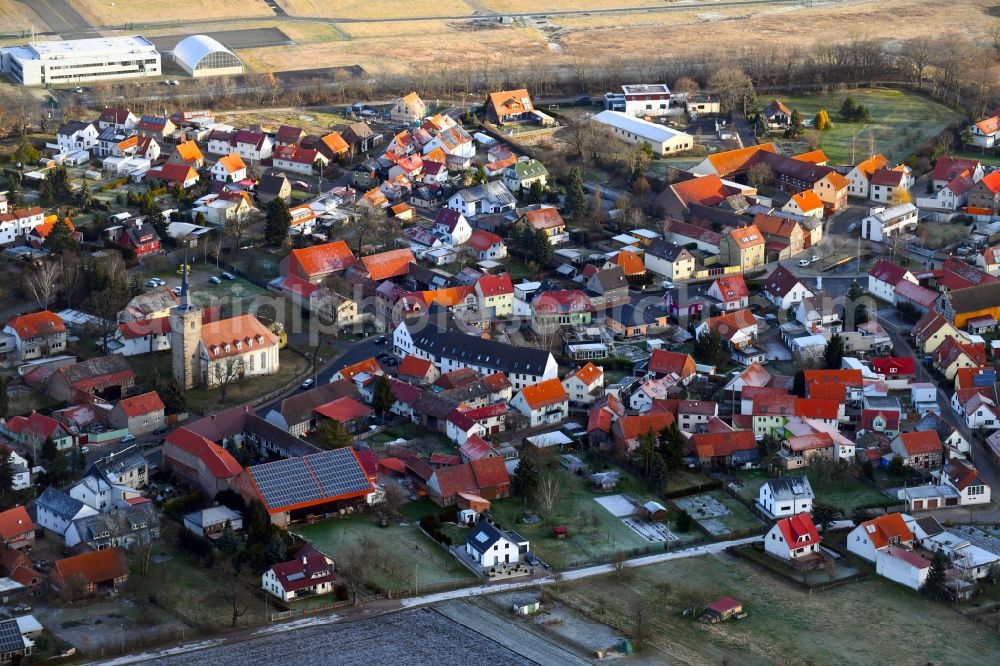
(219, 462)
(732, 161)
(411, 366)
(544, 218)
(631, 427)
(497, 382)
(732, 287)
(948, 168)
(482, 240)
(921, 442)
(663, 362)
(704, 190)
(94, 567)
(14, 522)
(904, 365)
(324, 259)
(846, 377)
(587, 374)
(888, 272)
(140, 328)
(834, 392)
(799, 531)
(308, 569)
(142, 404)
(37, 323)
(495, 285)
(717, 445)
(814, 408)
(343, 409)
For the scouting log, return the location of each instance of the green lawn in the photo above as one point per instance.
(23, 400)
(900, 121)
(987, 158)
(587, 543)
(842, 491)
(394, 550)
(873, 622)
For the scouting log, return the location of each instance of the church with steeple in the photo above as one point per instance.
(218, 352)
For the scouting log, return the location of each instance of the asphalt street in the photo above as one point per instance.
(61, 18)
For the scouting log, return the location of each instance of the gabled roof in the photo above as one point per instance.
(916, 294)
(511, 102)
(720, 444)
(219, 462)
(852, 378)
(231, 163)
(632, 426)
(495, 285)
(344, 409)
(961, 476)
(588, 374)
(732, 161)
(807, 200)
(705, 190)
(780, 282)
(544, 394)
(746, 237)
(140, 405)
(411, 366)
(948, 168)
(309, 568)
(776, 107)
(885, 528)
(236, 336)
(323, 259)
(448, 218)
(482, 240)
(887, 177)
(799, 531)
(663, 362)
(630, 263)
(871, 165)
(97, 372)
(732, 287)
(189, 151)
(311, 480)
(368, 365)
(94, 567)
(36, 324)
(14, 522)
(991, 181)
(813, 157)
(971, 299)
(173, 173)
(389, 264)
(545, 217)
(920, 442)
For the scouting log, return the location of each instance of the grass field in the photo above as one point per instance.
(901, 121)
(525, 6)
(398, 548)
(204, 400)
(843, 492)
(106, 12)
(360, 9)
(15, 17)
(301, 32)
(874, 622)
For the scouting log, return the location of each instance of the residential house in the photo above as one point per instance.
(484, 199)
(17, 529)
(288, 135)
(783, 237)
(860, 175)
(229, 169)
(551, 310)
(777, 115)
(881, 414)
(543, 403)
(155, 127)
(510, 107)
(888, 186)
(932, 330)
(56, 511)
(118, 118)
(629, 321)
(496, 296)
(37, 334)
(784, 289)
(360, 137)
(210, 523)
(310, 574)
(274, 186)
(984, 132)
(200, 461)
(19, 223)
(663, 363)
(34, 429)
(965, 479)
(487, 246)
(139, 414)
(140, 237)
(305, 161)
(173, 175)
(883, 278)
(523, 174)
(877, 535)
(75, 135)
(952, 355)
(670, 260)
(318, 262)
(690, 415)
(743, 247)
(882, 224)
(187, 153)
(731, 293)
(793, 538)
(486, 477)
(921, 450)
(89, 573)
(961, 305)
(452, 226)
(739, 330)
(584, 385)
(984, 197)
(806, 203)
(723, 449)
(610, 283)
(408, 109)
(132, 525)
(489, 547)
(786, 496)
(626, 430)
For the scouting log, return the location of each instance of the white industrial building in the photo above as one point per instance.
(201, 55)
(630, 129)
(77, 60)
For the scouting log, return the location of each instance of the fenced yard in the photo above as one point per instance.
(837, 489)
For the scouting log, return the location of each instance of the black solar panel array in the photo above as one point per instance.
(310, 478)
(10, 637)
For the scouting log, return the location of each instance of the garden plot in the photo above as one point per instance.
(653, 532)
(708, 511)
(618, 506)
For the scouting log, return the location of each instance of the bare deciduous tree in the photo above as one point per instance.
(549, 494)
(225, 372)
(41, 283)
(231, 590)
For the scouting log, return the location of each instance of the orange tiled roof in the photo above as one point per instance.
(326, 258)
(246, 331)
(189, 151)
(37, 323)
(883, 529)
(630, 263)
(232, 163)
(14, 522)
(807, 200)
(544, 218)
(839, 182)
(872, 164)
(389, 264)
(544, 394)
(449, 296)
(813, 157)
(93, 567)
(989, 126)
(42, 230)
(704, 190)
(588, 374)
(335, 143)
(745, 237)
(369, 365)
(411, 366)
(511, 101)
(731, 161)
(141, 404)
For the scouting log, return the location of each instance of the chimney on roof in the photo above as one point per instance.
(304, 560)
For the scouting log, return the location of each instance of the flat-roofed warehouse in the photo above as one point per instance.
(663, 140)
(201, 55)
(78, 60)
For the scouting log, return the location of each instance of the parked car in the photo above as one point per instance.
(151, 284)
(177, 291)
(128, 438)
(307, 383)
(215, 280)
(228, 276)
(380, 340)
(803, 262)
(84, 450)
(22, 608)
(814, 258)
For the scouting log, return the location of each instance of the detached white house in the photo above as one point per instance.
(879, 534)
(784, 289)
(543, 403)
(662, 139)
(902, 566)
(786, 496)
(56, 511)
(792, 538)
(309, 575)
(229, 169)
(489, 546)
(884, 223)
(453, 226)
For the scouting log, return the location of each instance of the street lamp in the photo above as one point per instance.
(416, 575)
